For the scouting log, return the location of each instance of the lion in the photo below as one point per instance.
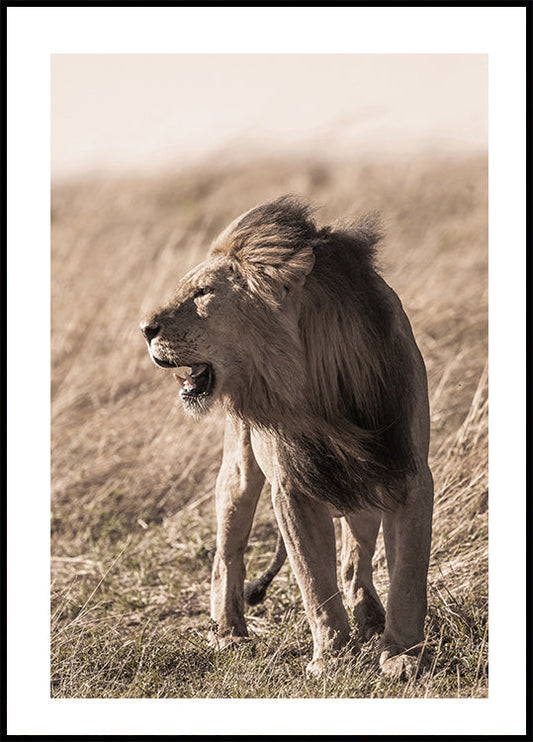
(290, 327)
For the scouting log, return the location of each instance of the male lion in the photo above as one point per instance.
(311, 355)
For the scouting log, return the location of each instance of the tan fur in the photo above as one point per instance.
(313, 358)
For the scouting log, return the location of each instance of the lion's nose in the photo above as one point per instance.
(149, 330)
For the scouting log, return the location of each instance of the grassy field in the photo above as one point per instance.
(133, 479)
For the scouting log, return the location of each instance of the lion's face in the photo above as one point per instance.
(231, 330)
(196, 333)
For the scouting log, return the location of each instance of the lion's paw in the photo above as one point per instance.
(331, 660)
(319, 667)
(315, 668)
(403, 666)
(227, 641)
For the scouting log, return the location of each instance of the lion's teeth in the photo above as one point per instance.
(183, 371)
(187, 382)
(198, 369)
(186, 375)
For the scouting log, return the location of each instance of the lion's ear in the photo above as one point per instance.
(295, 270)
(289, 274)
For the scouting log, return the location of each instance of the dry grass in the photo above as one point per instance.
(132, 479)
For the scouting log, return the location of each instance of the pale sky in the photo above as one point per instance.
(148, 112)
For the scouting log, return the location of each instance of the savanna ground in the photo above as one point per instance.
(133, 526)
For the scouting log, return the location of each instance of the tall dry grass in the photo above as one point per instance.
(132, 478)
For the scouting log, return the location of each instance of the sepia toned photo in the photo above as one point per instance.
(269, 376)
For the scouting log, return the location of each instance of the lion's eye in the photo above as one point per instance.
(201, 292)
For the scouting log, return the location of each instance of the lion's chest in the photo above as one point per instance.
(270, 463)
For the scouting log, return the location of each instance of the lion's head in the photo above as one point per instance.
(231, 330)
(291, 328)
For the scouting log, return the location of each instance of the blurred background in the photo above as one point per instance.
(117, 113)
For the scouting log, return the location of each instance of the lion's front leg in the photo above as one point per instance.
(238, 488)
(307, 529)
(407, 533)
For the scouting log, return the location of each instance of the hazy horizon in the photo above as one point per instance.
(120, 113)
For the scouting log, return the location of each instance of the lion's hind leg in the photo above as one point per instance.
(359, 534)
(407, 535)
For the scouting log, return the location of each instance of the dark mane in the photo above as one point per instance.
(359, 376)
(338, 396)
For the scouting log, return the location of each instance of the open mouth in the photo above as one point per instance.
(196, 380)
